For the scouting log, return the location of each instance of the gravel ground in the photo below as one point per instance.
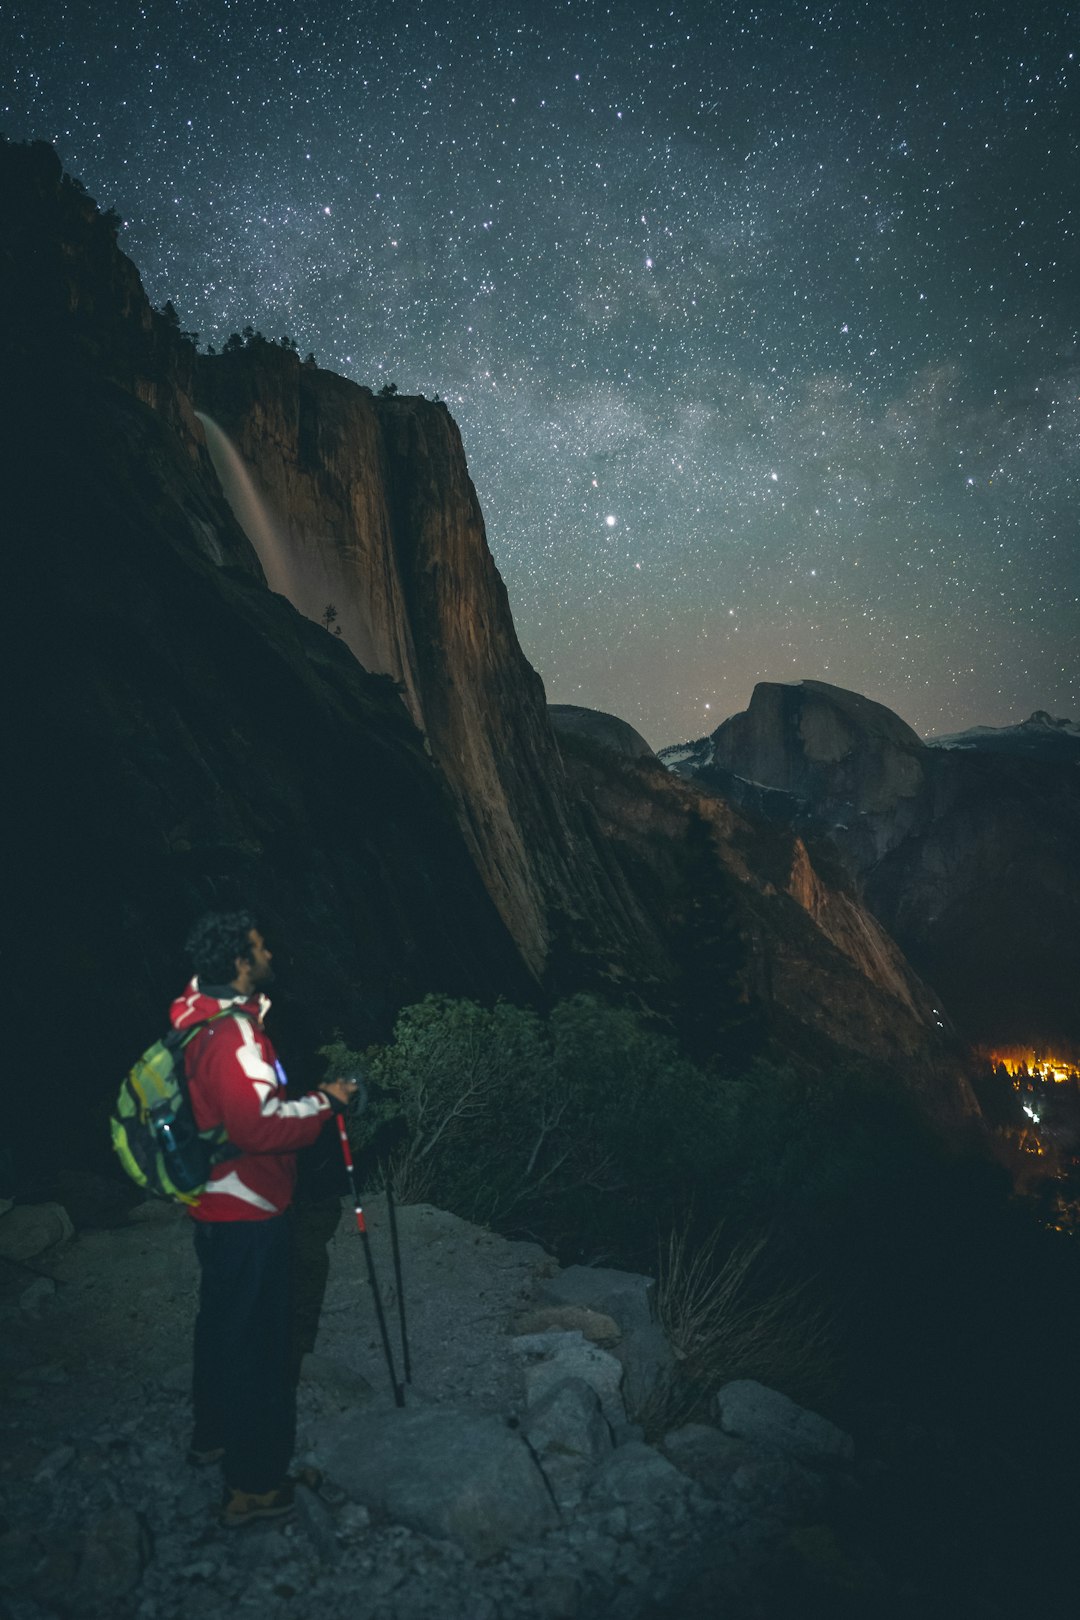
(101, 1516)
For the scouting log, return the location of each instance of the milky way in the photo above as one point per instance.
(761, 322)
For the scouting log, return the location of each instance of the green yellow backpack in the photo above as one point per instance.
(153, 1126)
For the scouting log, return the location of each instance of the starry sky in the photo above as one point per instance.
(761, 321)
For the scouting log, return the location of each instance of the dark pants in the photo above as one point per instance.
(243, 1391)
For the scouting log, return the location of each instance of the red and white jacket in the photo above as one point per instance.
(235, 1081)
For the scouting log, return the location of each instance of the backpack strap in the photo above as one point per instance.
(177, 1039)
(225, 1148)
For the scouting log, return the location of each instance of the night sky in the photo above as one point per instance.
(761, 322)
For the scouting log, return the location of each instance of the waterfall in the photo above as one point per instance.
(249, 509)
(301, 566)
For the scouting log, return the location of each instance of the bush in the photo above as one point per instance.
(584, 1127)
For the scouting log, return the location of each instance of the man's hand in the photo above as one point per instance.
(340, 1091)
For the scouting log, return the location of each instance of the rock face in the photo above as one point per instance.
(369, 507)
(966, 851)
(855, 761)
(185, 738)
(757, 936)
(607, 730)
(753, 1412)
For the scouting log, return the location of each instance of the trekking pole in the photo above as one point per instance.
(391, 1210)
(361, 1227)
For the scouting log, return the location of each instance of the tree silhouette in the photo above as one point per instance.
(328, 616)
(388, 390)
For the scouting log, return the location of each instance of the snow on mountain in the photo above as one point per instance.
(1040, 736)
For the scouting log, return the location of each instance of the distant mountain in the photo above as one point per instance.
(967, 849)
(606, 729)
(1040, 737)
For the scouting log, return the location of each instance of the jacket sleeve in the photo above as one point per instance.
(250, 1103)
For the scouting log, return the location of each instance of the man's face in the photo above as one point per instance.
(255, 969)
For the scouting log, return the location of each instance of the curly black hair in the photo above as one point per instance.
(216, 941)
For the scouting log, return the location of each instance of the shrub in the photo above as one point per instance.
(584, 1123)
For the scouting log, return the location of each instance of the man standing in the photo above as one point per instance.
(243, 1388)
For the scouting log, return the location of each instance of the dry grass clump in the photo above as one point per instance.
(724, 1320)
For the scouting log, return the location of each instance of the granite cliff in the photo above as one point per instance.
(375, 513)
(183, 736)
(759, 941)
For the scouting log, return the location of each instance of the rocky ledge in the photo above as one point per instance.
(516, 1481)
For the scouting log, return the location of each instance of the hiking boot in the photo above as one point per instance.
(205, 1459)
(248, 1507)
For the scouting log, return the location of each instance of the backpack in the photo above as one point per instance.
(153, 1125)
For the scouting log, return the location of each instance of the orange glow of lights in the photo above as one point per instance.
(1025, 1061)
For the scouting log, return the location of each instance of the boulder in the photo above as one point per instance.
(705, 1454)
(648, 1360)
(625, 1295)
(644, 1483)
(28, 1230)
(569, 1435)
(755, 1481)
(594, 1325)
(757, 1413)
(341, 1385)
(451, 1473)
(551, 1358)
